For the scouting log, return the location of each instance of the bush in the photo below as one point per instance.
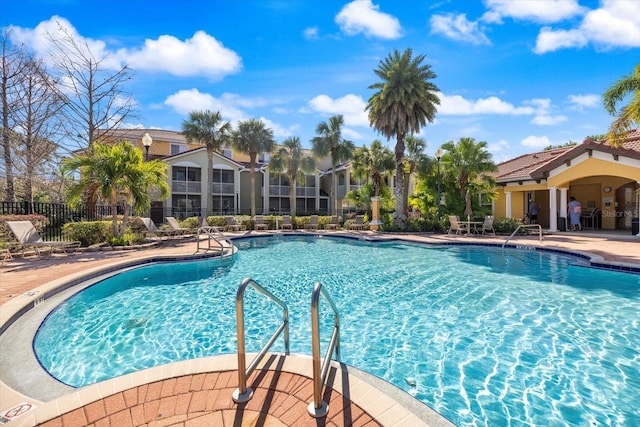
(505, 225)
(89, 232)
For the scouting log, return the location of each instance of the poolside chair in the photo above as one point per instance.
(233, 225)
(29, 238)
(152, 229)
(260, 224)
(333, 225)
(313, 223)
(175, 225)
(456, 225)
(286, 222)
(487, 226)
(358, 223)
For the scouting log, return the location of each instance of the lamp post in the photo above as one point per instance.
(438, 155)
(147, 141)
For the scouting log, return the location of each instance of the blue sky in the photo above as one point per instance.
(518, 74)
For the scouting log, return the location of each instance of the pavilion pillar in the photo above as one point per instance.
(375, 223)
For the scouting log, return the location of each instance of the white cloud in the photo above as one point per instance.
(536, 141)
(580, 102)
(614, 24)
(280, 131)
(459, 28)
(362, 16)
(311, 33)
(350, 106)
(547, 11)
(186, 101)
(457, 105)
(201, 55)
(547, 120)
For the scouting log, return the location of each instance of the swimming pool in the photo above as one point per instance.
(484, 337)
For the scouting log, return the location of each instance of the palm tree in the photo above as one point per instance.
(405, 101)
(330, 142)
(292, 160)
(415, 155)
(373, 163)
(117, 173)
(253, 137)
(628, 116)
(208, 129)
(469, 162)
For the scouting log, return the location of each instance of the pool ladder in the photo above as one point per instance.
(318, 408)
(524, 227)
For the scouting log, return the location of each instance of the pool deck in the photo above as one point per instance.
(195, 393)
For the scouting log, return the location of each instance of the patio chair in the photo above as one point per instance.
(487, 225)
(313, 223)
(358, 223)
(152, 229)
(286, 222)
(333, 225)
(29, 238)
(456, 225)
(260, 224)
(175, 225)
(233, 225)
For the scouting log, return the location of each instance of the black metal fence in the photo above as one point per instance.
(58, 214)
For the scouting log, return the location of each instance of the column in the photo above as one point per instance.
(564, 205)
(508, 203)
(374, 225)
(553, 208)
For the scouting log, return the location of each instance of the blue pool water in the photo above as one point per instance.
(483, 336)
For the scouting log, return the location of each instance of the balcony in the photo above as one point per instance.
(223, 188)
(194, 187)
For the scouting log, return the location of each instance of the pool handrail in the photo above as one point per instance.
(318, 408)
(242, 393)
(211, 233)
(524, 226)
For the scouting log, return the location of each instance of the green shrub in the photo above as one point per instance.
(505, 225)
(88, 232)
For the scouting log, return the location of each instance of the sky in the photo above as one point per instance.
(517, 74)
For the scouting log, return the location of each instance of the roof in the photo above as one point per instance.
(536, 166)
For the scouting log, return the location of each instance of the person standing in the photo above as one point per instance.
(575, 210)
(533, 212)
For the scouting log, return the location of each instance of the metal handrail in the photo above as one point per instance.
(318, 408)
(242, 393)
(524, 226)
(211, 233)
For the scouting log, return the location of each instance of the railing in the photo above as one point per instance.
(242, 393)
(318, 408)
(524, 226)
(186, 187)
(223, 188)
(211, 233)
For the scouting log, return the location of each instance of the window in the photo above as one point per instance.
(178, 148)
(264, 158)
(227, 153)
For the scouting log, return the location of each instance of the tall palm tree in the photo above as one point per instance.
(117, 173)
(628, 116)
(330, 142)
(469, 161)
(292, 160)
(415, 155)
(405, 101)
(207, 128)
(253, 137)
(373, 163)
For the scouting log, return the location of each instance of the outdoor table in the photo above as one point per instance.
(475, 225)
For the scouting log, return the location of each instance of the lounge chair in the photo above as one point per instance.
(286, 222)
(487, 226)
(29, 238)
(232, 225)
(260, 224)
(153, 229)
(313, 223)
(457, 226)
(175, 225)
(358, 223)
(333, 225)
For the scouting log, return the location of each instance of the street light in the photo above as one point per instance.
(438, 155)
(147, 141)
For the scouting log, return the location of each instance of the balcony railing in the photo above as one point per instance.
(186, 187)
(306, 191)
(283, 190)
(223, 188)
